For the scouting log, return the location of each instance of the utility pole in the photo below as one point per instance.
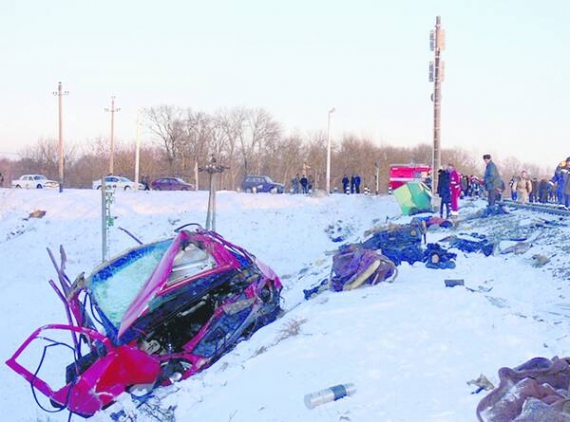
(436, 75)
(138, 147)
(112, 110)
(328, 181)
(60, 93)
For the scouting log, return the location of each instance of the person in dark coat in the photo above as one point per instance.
(356, 183)
(345, 183)
(558, 180)
(444, 191)
(492, 181)
(304, 184)
(544, 189)
(566, 184)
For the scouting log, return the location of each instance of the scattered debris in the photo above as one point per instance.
(453, 283)
(336, 392)
(482, 383)
(37, 214)
(354, 266)
(539, 260)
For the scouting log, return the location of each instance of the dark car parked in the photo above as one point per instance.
(171, 183)
(261, 184)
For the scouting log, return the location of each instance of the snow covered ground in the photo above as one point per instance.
(409, 347)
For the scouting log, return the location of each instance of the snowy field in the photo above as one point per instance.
(409, 347)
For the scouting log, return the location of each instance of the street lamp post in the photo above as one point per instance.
(328, 184)
(59, 94)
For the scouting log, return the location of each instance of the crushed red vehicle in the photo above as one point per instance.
(153, 315)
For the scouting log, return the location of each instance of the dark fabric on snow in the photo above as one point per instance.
(399, 243)
(483, 245)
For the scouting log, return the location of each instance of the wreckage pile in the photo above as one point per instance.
(537, 390)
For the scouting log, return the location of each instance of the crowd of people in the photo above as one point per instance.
(351, 185)
(523, 188)
(304, 184)
(452, 186)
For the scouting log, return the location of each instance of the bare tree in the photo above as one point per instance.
(314, 160)
(167, 123)
(291, 157)
(230, 123)
(42, 157)
(258, 130)
(196, 141)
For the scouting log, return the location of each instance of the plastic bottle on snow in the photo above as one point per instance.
(336, 392)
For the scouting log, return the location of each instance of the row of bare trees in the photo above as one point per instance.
(248, 141)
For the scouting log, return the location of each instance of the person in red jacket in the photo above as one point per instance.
(455, 187)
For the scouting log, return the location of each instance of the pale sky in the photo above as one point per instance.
(506, 88)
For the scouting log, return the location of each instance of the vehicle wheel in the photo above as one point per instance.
(39, 187)
(157, 188)
(98, 187)
(185, 188)
(273, 190)
(18, 187)
(127, 188)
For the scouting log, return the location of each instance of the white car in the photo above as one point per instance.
(34, 181)
(118, 182)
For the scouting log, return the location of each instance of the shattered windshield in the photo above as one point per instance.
(115, 286)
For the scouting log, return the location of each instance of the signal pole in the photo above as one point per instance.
(212, 168)
(59, 94)
(436, 75)
(112, 110)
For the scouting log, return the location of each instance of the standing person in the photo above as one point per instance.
(304, 184)
(523, 187)
(513, 187)
(492, 180)
(295, 184)
(356, 183)
(558, 180)
(566, 183)
(345, 183)
(444, 191)
(145, 181)
(455, 188)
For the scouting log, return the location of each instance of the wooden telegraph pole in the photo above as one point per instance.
(436, 75)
